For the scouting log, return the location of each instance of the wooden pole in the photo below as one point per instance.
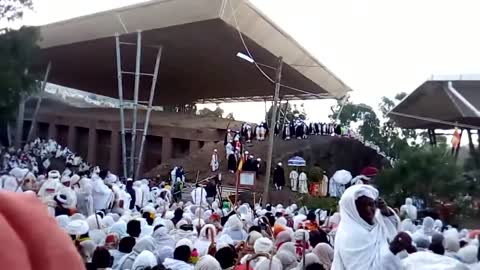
(459, 142)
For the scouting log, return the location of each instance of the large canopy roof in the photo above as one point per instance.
(200, 41)
(437, 105)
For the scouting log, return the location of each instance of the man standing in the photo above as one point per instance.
(211, 190)
(214, 161)
(228, 137)
(229, 149)
(294, 180)
(302, 183)
(279, 177)
(199, 195)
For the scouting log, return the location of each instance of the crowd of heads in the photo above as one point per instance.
(140, 225)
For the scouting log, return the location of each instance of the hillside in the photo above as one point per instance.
(329, 153)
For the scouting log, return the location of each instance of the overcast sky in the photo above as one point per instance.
(377, 47)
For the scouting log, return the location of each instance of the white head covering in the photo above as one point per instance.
(288, 260)
(184, 242)
(408, 226)
(428, 224)
(207, 262)
(63, 221)
(77, 227)
(468, 254)
(145, 259)
(94, 223)
(263, 245)
(310, 259)
(266, 264)
(357, 243)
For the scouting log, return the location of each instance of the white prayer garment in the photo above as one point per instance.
(199, 196)
(102, 195)
(359, 245)
(293, 180)
(214, 161)
(408, 210)
(302, 183)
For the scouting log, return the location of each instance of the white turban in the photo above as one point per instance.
(207, 262)
(263, 245)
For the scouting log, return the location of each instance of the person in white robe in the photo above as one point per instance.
(293, 180)
(257, 132)
(363, 235)
(16, 181)
(66, 190)
(302, 183)
(206, 238)
(83, 190)
(229, 149)
(173, 176)
(137, 187)
(214, 164)
(323, 186)
(145, 192)
(199, 196)
(262, 131)
(50, 187)
(408, 210)
(102, 195)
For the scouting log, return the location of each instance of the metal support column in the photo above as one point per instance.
(37, 106)
(120, 99)
(278, 77)
(149, 110)
(135, 103)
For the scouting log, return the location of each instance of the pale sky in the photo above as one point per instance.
(377, 47)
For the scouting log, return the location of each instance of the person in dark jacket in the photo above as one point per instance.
(211, 190)
(279, 177)
(131, 191)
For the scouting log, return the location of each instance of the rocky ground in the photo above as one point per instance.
(329, 153)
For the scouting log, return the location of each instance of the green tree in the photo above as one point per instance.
(11, 10)
(426, 172)
(18, 53)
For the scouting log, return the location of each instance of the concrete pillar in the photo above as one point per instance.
(167, 148)
(114, 161)
(72, 138)
(194, 146)
(52, 131)
(92, 145)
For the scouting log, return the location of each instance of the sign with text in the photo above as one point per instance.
(247, 178)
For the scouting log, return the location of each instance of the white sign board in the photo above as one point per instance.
(247, 178)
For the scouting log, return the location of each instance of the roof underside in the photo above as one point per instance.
(433, 101)
(199, 64)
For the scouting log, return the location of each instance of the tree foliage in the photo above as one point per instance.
(18, 53)
(389, 138)
(11, 10)
(425, 172)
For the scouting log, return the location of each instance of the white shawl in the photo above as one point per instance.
(358, 244)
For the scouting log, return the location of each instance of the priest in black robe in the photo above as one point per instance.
(279, 177)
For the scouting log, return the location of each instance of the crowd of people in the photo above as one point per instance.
(115, 224)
